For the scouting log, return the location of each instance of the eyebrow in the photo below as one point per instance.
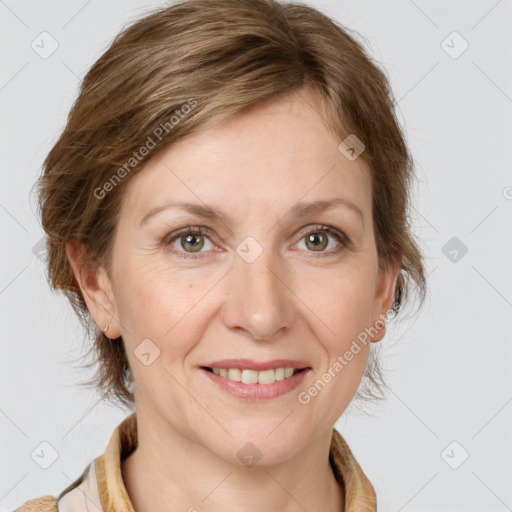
(299, 210)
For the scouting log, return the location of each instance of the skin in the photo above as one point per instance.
(291, 302)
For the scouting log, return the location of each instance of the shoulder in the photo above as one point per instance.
(43, 504)
(60, 503)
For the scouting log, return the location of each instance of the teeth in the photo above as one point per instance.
(235, 374)
(254, 376)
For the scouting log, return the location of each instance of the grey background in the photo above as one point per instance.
(448, 367)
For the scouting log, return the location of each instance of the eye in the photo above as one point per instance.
(190, 242)
(316, 239)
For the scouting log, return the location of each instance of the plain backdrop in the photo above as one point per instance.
(442, 440)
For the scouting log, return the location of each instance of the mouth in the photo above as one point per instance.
(252, 385)
(251, 376)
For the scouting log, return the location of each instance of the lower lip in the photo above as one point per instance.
(257, 391)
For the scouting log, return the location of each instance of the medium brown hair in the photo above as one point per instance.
(222, 56)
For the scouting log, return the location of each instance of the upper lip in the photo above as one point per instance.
(249, 364)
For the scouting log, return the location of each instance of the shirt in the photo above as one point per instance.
(100, 488)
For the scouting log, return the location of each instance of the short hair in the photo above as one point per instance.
(185, 67)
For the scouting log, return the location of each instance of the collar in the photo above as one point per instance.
(101, 488)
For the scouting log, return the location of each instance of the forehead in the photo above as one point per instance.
(275, 153)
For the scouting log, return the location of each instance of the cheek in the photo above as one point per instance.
(160, 309)
(155, 297)
(344, 306)
(342, 301)
(168, 308)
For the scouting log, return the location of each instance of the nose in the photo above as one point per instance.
(259, 300)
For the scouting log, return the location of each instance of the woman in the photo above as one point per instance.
(226, 210)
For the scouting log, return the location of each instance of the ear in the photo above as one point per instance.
(384, 296)
(96, 290)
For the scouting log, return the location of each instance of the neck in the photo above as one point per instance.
(168, 468)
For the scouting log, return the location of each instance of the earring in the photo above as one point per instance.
(106, 328)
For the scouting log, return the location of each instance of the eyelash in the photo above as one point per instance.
(202, 231)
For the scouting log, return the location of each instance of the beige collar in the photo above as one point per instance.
(101, 487)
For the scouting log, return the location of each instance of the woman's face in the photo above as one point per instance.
(263, 282)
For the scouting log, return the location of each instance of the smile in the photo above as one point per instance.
(253, 376)
(246, 384)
